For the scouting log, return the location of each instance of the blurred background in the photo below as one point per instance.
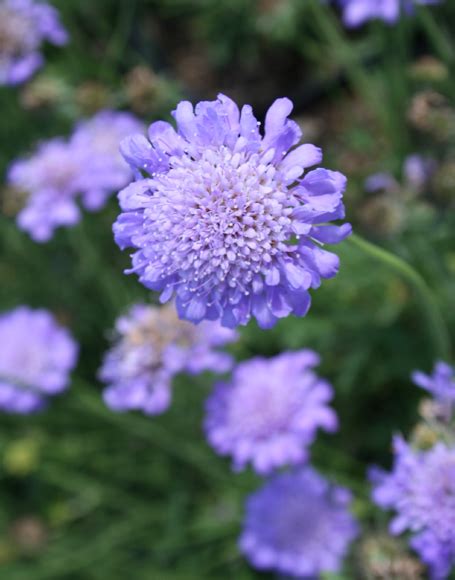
(87, 494)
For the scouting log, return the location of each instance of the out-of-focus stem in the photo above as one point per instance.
(436, 326)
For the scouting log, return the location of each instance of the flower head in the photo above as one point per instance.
(357, 12)
(103, 169)
(24, 26)
(421, 490)
(88, 165)
(150, 347)
(36, 358)
(50, 178)
(441, 384)
(223, 218)
(269, 413)
(298, 524)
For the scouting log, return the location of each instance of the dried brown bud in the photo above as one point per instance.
(430, 112)
(29, 534)
(91, 97)
(141, 86)
(429, 69)
(386, 558)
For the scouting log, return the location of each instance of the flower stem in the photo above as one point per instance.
(436, 326)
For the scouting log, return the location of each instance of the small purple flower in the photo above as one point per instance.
(24, 26)
(298, 524)
(357, 12)
(88, 165)
(152, 345)
(51, 179)
(441, 384)
(417, 171)
(221, 217)
(36, 358)
(103, 168)
(380, 182)
(269, 413)
(421, 489)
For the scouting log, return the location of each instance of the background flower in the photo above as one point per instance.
(298, 524)
(268, 414)
(150, 347)
(88, 165)
(224, 219)
(420, 489)
(441, 384)
(24, 26)
(36, 358)
(357, 12)
(103, 169)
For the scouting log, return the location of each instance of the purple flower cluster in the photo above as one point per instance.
(268, 414)
(24, 26)
(441, 384)
(357, 12)
(88, 165)
(36, 357)
(298, 524)
(421, 490)
(152, 345)
(228, 220)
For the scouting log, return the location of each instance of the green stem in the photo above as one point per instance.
(436, 36)
(436, 325)
(149, 430)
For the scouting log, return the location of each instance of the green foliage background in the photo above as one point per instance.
(112, 496)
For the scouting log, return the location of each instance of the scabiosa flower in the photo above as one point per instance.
(88, 166)
(24, 26)
(150, 346)
(103, 168)
(357, 12)
(50, 178)
(269, 413)
(441, 384)
(223, 218)
(418, 170)
(36, 358)
(298, 524)
(421, 490)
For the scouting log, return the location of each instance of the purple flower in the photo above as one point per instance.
(418, 170)
(24, 26)
(269, 413)
(421, 490)
(223, 218)
(441, 384)
(36, 358)
(357, 12)
(88, 165)
(103, 169)
(50, 178)
(298, 524)
(150, 346)
(380, 182)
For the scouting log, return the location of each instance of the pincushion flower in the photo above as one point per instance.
(298, 524)
(103, 169)
(60, 172)
(36, 358)
(24, 26)
(357, 12)
(151, 345)
(421, 490)
(268, 414)
(227, 220)
(441, 384)
(50, 180)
